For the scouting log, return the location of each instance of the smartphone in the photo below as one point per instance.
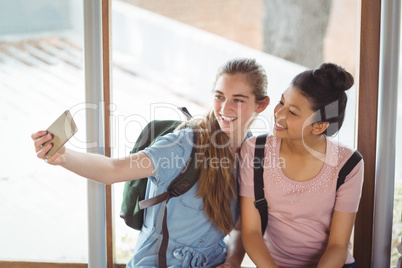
(62, 130)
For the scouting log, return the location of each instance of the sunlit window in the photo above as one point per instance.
(43, 208)
(166, 55)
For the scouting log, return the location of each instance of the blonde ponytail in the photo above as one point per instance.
(216, 160)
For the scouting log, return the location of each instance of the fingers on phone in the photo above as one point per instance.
(40, 142)
(42, 151)
(46, 138)
(38, 134)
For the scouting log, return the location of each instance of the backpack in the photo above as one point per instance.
(134, 203)
(260, 202)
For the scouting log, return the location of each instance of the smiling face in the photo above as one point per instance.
(235, 104)
(293, 115)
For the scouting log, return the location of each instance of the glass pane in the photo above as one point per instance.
(43, 208)
(167, 54)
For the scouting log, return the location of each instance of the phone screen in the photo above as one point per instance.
(62, 130)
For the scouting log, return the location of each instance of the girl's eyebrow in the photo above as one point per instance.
(235, 95)
(292, 105)
(240, 95)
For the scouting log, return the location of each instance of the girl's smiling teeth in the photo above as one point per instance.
(279, 126)
(228, 118)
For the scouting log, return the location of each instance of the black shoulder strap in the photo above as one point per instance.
(177, 187)
(180, 185)
(347, 168)
(260, 201)
(185, 112)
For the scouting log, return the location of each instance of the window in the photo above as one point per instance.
(167, 55)
(163, 56)
(43, 208)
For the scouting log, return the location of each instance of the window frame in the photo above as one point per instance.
(366, 140)
(369, 69)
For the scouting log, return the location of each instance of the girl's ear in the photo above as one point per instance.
(262, 104)
(319, 127)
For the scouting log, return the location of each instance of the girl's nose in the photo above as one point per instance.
(277, 111)
(225, 106)
(279, 114)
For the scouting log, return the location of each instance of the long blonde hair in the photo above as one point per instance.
(217, 186)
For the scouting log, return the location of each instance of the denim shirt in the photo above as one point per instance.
(194, 241)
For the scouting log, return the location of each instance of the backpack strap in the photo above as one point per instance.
(260, 202)
(347, 168)
(180, 185)
(185, 112)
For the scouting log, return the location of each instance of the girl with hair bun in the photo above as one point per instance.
(309, 221)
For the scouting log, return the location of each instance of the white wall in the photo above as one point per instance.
(186, 58)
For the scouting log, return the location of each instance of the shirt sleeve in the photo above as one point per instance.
(246, 177)
(348, 195)
(169, 154)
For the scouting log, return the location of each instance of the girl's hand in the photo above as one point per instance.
(39, 139)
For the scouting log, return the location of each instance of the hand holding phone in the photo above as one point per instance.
(62, 130)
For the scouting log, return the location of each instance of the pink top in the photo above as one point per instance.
(300, 212)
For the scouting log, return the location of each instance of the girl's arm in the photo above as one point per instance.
(93, 166)
(342, 222)
(337, 249)
(235, 249)
(252, 237)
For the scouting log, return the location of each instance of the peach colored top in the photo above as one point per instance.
(300, 213)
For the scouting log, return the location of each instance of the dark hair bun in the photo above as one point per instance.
(335, 75)
(324, 87)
